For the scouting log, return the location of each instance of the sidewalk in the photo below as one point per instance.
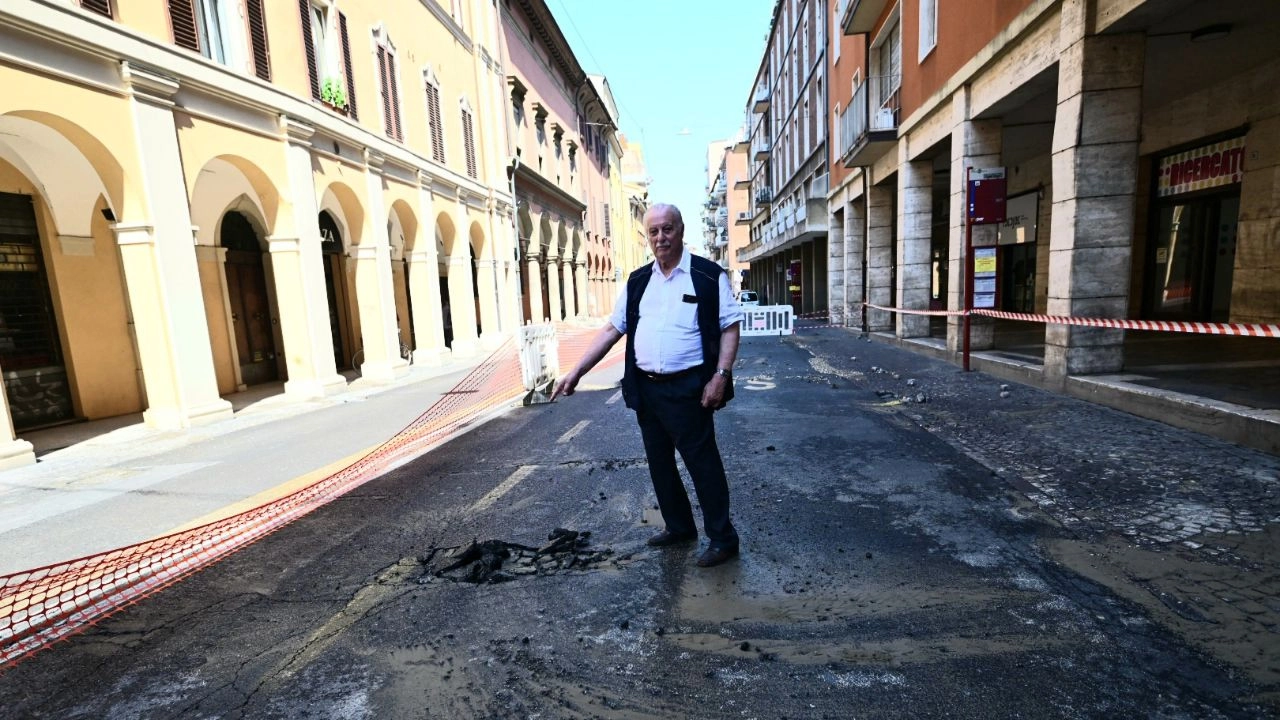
(105, 484)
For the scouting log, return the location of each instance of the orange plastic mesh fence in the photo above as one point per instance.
(40, 606)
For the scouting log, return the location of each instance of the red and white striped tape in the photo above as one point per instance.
(906, 311)
(1203, 328)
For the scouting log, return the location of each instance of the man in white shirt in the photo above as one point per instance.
(682, 325)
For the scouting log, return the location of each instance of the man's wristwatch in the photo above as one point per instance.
(726, 373)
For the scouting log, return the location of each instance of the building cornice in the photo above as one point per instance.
(544, 26)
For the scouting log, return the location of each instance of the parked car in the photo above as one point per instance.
(748, 297)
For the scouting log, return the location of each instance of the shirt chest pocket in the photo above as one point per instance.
(686, 316)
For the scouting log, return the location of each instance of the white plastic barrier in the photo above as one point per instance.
(768, 320)
(539, 359)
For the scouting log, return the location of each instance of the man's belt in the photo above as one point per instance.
(664, 377)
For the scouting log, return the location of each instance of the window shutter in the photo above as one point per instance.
(437, 130)
(395, 95)
(182, 20)
(346, 64)
(102, 7)
(468, 140)
(258, 39)
(387, 125)
(309, 45)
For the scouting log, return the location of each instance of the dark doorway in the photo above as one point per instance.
(1018, 278)
(251, 319)
(35, 378)
(335, 287)
(1192, 258)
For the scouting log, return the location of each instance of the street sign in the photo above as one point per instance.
(986, 195)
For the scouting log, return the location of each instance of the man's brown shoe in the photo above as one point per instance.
(713, 556)
(666, 537)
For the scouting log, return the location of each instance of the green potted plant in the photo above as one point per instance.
(332, 94)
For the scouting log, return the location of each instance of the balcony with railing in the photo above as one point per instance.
(763, 198)
(760, 103)
(762, 147)
(869, 125)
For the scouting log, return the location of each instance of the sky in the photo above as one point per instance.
(681, 74)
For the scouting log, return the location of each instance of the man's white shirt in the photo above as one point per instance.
(667, 338)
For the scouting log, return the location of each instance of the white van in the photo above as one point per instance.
(748, 297)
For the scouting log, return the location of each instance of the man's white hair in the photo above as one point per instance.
(665, 206)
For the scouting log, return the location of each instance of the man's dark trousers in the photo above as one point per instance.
(672, 418)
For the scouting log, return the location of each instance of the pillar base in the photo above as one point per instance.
(16, 453)
(465, 348)
(311, 389)
(176, 419)
(384, 370)
(434, 357)
(491, 340)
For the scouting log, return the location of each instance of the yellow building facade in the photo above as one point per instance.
(204, 195)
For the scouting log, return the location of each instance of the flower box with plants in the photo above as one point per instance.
(332, 94)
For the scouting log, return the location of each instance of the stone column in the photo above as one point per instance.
(424, 283)
(836, 289)
(880, 223)
(298, 273)
(553, 289)
(1095, 178)
(534, 274)
(570, 305)
(915, 221)
(580, 281)
(1254, 297)
(974, 144)
(462, 294)
(855, 239)
(160, 271)
(490, 336)
(374, 289)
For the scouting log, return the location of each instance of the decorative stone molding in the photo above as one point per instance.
(134, 234)
(149, 85)
(297, 132)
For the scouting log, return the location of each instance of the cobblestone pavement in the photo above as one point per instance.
(1185, 524)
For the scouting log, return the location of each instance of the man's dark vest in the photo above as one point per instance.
(706, 286)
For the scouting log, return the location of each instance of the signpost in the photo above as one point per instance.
(985, 192)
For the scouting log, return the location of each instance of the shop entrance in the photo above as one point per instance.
(1192, 258)
(35, 379)
(1018, 278)
(250, 306)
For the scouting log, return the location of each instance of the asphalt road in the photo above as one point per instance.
(899, 560)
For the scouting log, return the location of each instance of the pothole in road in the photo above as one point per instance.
(496, 561)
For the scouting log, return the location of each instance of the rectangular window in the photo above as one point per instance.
(888, 60)
(928, 27)
(608, 226)
(328, 64)
(433, 116)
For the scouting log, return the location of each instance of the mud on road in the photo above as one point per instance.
(899, 559)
